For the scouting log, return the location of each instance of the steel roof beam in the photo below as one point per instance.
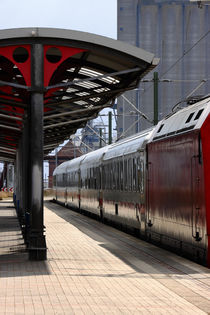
(75, 112)
(7, 151)
(7, 147)
(12, 103)
(7, 154)
(11, 117)
(98, 77)
(19, 86)
(69, 122)
(6, 159)
(9, 127)
(10, 123)
(49, 146)
(95, 94)
(55, 138)
(2, 110)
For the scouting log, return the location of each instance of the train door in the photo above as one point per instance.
(141, 190)
(196, 193)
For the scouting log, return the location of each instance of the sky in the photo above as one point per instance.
(93, 16)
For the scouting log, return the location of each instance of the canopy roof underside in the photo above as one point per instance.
(83, 73)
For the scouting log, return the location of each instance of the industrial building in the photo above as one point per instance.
(176, 31)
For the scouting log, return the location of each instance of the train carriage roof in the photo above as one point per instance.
(61, 168)
(94, 158)
(189, 118)
(128, 145)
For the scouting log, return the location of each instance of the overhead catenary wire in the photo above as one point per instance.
(96, 133)
(201, 82)
(177, 61)
(137, 110)
(165, 80)
(185, 53)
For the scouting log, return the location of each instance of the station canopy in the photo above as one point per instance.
(83, 73)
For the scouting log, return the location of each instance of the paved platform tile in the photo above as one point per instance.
(94, 269)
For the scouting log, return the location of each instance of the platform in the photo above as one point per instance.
(94, 269)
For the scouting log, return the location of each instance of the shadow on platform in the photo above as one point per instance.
(14, 260)
(129, 249)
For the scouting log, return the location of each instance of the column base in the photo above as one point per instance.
(37, 247)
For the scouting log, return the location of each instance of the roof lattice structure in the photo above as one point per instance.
(83, 73)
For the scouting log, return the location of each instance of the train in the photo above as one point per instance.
(155, 183)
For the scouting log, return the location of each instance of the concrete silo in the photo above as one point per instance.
(176, 31)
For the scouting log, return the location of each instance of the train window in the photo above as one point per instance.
(161, 127)
(198, 114)
(130, 171)
(116, 208)
(75, 179)
(125, 175)
(86, 177)
(64, 180)
(121, 176)
(70, 180)
(131, 174)
(128, 175)
(105, 176)
(117, 175)
(102, 178)
(89, 178)
(139, 175)
(110, 177)
(134, 174)
(114, 175)
(189, 118)
(93, 178)
(142, 177)
(99, 178)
